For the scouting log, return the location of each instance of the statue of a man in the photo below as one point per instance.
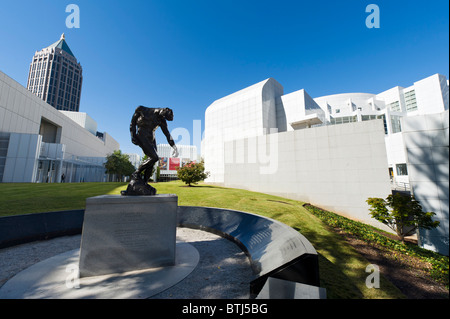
(144, 123)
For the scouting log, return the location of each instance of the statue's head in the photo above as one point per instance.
(167, 114)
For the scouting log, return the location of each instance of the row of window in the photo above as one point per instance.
(395, 121)
(410, 101)
(394, 106)
(37, 89)
(350, 119)
(38, 69)
(411, 105)
(55, 58)
(375, 117)
(69, 102)
(63, 88)
(343, 119)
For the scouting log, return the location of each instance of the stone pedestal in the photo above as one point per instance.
(125, 233)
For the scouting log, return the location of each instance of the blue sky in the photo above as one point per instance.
(186, 54)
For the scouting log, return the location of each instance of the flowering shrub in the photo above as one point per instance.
(192, 173)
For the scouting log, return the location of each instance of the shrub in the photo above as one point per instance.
(192, 173)
(401, 213)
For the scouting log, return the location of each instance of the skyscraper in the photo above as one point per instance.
(56, 76)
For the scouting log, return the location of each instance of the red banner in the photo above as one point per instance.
(174, 163)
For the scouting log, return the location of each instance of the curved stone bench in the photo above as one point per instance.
(20, 229)
(274, 249)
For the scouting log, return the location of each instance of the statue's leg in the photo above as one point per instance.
(146, 167)
(138, 185)
(154, 158)
(141, 168)
(149, 168)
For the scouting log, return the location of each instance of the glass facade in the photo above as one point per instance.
(343, 119)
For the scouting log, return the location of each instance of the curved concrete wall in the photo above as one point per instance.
(275, 249)
(21, 229)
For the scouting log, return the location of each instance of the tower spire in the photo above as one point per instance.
(63, 37)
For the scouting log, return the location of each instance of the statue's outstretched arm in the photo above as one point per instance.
(169, 139)
(167, 134)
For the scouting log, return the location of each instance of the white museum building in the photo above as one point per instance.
(338, 150)
(168, 164)
(39, 143)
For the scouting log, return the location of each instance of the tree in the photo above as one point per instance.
(192, 173)
(402, 213)
(119, 164)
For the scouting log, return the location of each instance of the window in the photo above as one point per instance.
(343, 119)
(410, 101)
(394, 106)
(396, 125)
(384, 123)
(401, 169)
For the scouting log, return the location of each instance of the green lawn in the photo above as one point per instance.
(25, 198)
(342, 269)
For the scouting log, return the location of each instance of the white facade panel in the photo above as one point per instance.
(429, 95)
(21, 157)
(248, 112)
(428, 162)
(341, 183)
(82, 119)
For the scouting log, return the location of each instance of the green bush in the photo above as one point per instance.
(401, 213)
(192, 173)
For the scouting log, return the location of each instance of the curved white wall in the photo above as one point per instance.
(248, 112)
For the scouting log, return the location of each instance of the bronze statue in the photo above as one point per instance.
(147, 120)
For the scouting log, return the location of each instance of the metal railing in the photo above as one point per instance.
(400, 186)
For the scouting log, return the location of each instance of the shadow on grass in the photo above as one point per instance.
(342, 270)
(204, 186)
(337, 264)
(337, 284)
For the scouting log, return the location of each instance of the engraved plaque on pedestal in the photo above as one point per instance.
(125, 233)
